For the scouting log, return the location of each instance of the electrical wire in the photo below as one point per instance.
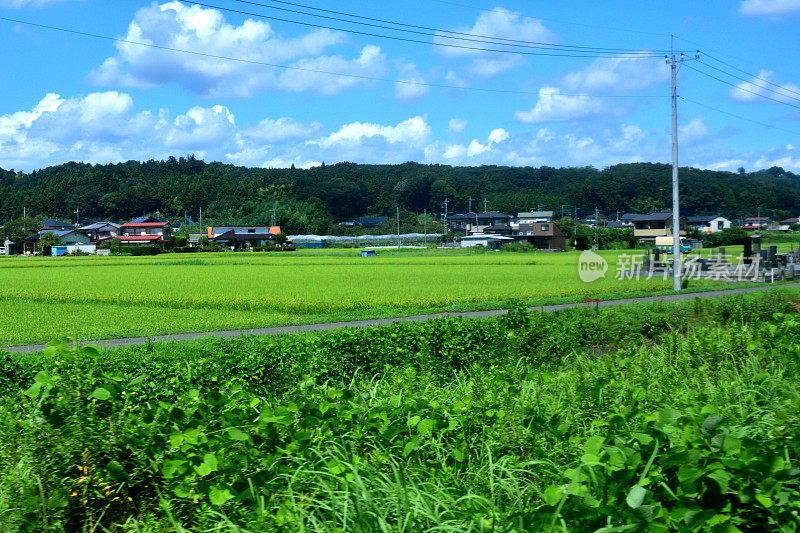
(740, 88)
(768, 82)
(771, 126)
(302, 69)
(750, 82)
(438, 32)
(593, 55)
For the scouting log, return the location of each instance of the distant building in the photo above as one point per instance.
(145, 230)
(494, 242)
(708, 223)
(534, 216)
(55, 225)
(459, 222)
(371, 222)
(542, 235)
(242, 236)
(756, 223)
(648, 227)
(65, 237)
(793, 220)
(101, 231)
(486, 219)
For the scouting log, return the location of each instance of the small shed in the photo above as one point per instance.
(368, 253)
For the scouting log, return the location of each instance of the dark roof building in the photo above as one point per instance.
(371, 222)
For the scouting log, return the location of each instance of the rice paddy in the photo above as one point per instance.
(104, 297)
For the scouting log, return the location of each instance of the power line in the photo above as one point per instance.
(750, 82)
(741, 88)
(752, 75)
(592, 55)
(571, 23)
(302, 69)
(438, 32)
(706, 54)
(739, 116)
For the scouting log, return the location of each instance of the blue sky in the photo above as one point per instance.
(67, 97)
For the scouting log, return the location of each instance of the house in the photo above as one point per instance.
(627, 219)
(708, 223)
(494, 242)
(64, 237)
(793, 220)
(460, 222)
(542, 235)
(648, 227)
(756, 223)
(101, 231)
(371, 222)
(486, 219)
(55, 225)
(499, 229)
(534, 216)
(242, 236)
(145, 230)
(618, 224)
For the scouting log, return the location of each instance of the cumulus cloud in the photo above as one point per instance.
(553, 106)
(467, 154)
(457, 125)
(618, 75)
(695, 130)
(760, 86)
(498, 23)
(194, 28)
(769, 7)
(410, 84)
(414, 131)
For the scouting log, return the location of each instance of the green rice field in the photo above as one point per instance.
(43, 298)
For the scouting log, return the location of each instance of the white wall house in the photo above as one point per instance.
(709, 224)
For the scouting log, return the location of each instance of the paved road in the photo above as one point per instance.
(114, 343)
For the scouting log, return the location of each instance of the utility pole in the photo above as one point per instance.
(484, 205)
(77, 215)
(596, 224)
(446, 201)
(470, 205)
(201, 220)
(672, 61)
(398, 227)
(425, 221)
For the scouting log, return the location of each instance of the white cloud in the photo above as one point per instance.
(617, 75)
(762, 85)
(694, 131)
(193, 28)
(13, 123)
(283, 129)
(453, 79)
(457, 125)
(497, 23)
(497, 136)
(414, 131)
(410, 84)
(555, 107)
(769, 7)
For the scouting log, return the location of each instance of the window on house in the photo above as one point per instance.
(720, 224)
(251, 230)
(545, 227)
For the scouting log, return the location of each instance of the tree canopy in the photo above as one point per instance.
(313, 200)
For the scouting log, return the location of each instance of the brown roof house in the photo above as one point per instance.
(543, 235)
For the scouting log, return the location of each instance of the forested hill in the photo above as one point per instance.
(312, 200)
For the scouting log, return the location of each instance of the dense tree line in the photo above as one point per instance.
(314, 200)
